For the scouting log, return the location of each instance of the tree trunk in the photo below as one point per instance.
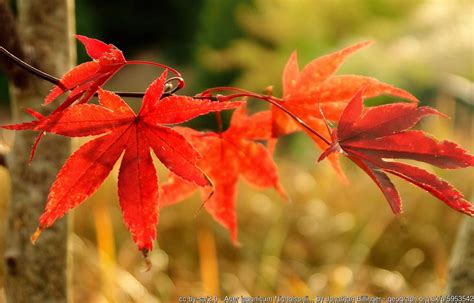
(461, 272)
(38, 273)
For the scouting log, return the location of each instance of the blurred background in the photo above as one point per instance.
(330, 239)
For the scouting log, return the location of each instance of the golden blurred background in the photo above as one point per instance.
(330, 239)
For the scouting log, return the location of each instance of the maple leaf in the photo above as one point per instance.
(84, 80)
(134, 135)
(316, 87)
(226, 156)
(370, 136)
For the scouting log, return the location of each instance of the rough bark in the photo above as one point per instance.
(461, 271)
(10, 40)
(37, 273)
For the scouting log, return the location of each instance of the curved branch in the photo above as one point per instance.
(272, 100)
(12, 59)
(16, 61)
(56, 81)
(32, 70)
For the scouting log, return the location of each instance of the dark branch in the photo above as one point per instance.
(32, 70)
(50, 78)
(56, 81)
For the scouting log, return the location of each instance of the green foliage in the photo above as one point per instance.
(414, 40)
(4, 97)
(172, 25)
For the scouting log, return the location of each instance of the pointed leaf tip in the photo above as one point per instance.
(236, 242)
(35, 146)
(291, 72)
(153, 93)
(35, 114)
(146, 258)
(209, 196)
(282, 192)
(94, 47)
(36, 234)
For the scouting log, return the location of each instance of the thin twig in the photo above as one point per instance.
(204, 95)
(31, 69)
(270, 99)
(56, 81)
(50, 78)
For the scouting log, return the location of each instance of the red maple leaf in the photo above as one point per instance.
(370, 136)
(316, 86)
(225, 156)
(84, 80)
(134, 135)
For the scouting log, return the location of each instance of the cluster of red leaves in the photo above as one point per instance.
(82, 82)
(134, 136)
(369, 136)
(213, 162)
(315, 90)
(227, 155)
